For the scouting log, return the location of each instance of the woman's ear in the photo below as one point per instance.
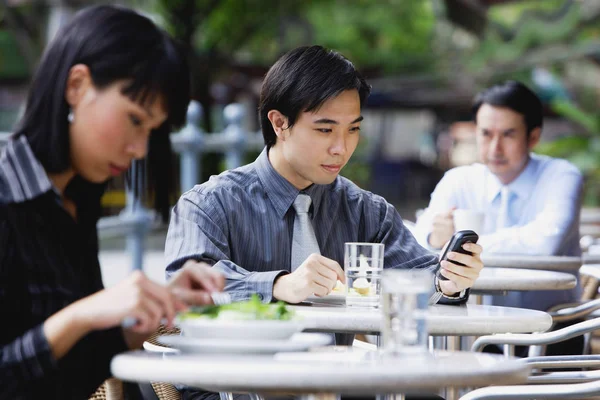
(79, 82)
(279, 122)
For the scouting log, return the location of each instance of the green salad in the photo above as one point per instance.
(252, 309)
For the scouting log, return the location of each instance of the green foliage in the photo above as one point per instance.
(582, 149)
(517, 29)
(393, 35)
(12, 63)
(591, 122)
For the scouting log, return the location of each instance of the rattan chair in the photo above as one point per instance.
(164, 391)
(112, 389)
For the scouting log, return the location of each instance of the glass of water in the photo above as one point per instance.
(363, 265)
(405, 299)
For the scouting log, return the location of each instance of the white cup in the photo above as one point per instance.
(468, 220)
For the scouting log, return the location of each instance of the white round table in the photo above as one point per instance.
(515, 279)
(592, 259)
(442, 320)
(335, 373)
(549, 263)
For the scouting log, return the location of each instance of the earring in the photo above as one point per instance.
(70, 116)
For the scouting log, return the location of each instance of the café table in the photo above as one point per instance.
(442, 320)
(320, 373)
(548, 263)
(591, 258)
(493, 280)
(446, 324)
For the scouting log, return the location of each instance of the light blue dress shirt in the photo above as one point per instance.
(542, 218)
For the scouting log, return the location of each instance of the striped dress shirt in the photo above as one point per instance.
(242, 221)
(47, 261)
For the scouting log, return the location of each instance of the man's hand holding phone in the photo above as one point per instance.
(460, 263)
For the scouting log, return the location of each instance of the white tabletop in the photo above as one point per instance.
(505, 279)
(442, 320)
(590, 215)
(590, 258)
(591, 270)
(553, 263)
(332, 372)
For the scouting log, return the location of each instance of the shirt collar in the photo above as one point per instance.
(22, 177)
(521, 186)
(281, 192)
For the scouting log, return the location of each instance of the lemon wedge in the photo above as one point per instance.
(339, 287)
(362, 286)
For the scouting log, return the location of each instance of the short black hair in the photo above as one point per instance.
(516, 96)
(115, 43)
(302, 80)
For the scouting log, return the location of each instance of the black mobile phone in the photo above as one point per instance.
(456, 243)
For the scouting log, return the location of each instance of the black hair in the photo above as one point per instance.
(302, 80)
(517, 97)
(115, 43)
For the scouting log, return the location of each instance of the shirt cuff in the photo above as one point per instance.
(260, 283)
(430, 247)
(35, 352)
(457, 298)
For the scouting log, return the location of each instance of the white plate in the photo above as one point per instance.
(331, 298)
(298, 342)
(244, 329)
(152, 348)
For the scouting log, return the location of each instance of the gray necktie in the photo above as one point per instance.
(304, 241)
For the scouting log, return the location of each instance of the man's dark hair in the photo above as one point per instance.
(116, 44)
(302, 80)
(517, 97)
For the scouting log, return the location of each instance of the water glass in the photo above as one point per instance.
(405, 298)
(363, 265)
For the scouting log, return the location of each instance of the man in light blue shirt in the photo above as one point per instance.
(542, 195)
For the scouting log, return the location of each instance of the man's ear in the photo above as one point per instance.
(534, 138)
(279, 122)
(78, 82)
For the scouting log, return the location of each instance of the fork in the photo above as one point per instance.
(435, 298)
(219, 298)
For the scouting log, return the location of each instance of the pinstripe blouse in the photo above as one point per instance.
(242, 220)
(47, 261)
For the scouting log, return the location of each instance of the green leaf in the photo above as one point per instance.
(563, 147)
(569, 110)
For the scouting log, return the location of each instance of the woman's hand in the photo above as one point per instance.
(136, 297)
(194, 283)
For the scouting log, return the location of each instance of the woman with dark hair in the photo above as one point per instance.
(109, 89)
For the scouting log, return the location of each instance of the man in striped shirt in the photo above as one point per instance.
(242, 221)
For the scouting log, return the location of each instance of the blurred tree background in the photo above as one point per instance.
(424, 58)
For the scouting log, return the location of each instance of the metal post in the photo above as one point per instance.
(453, 344)
(508, 350)
(188, 143)
(136, 216)
(235, 135)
